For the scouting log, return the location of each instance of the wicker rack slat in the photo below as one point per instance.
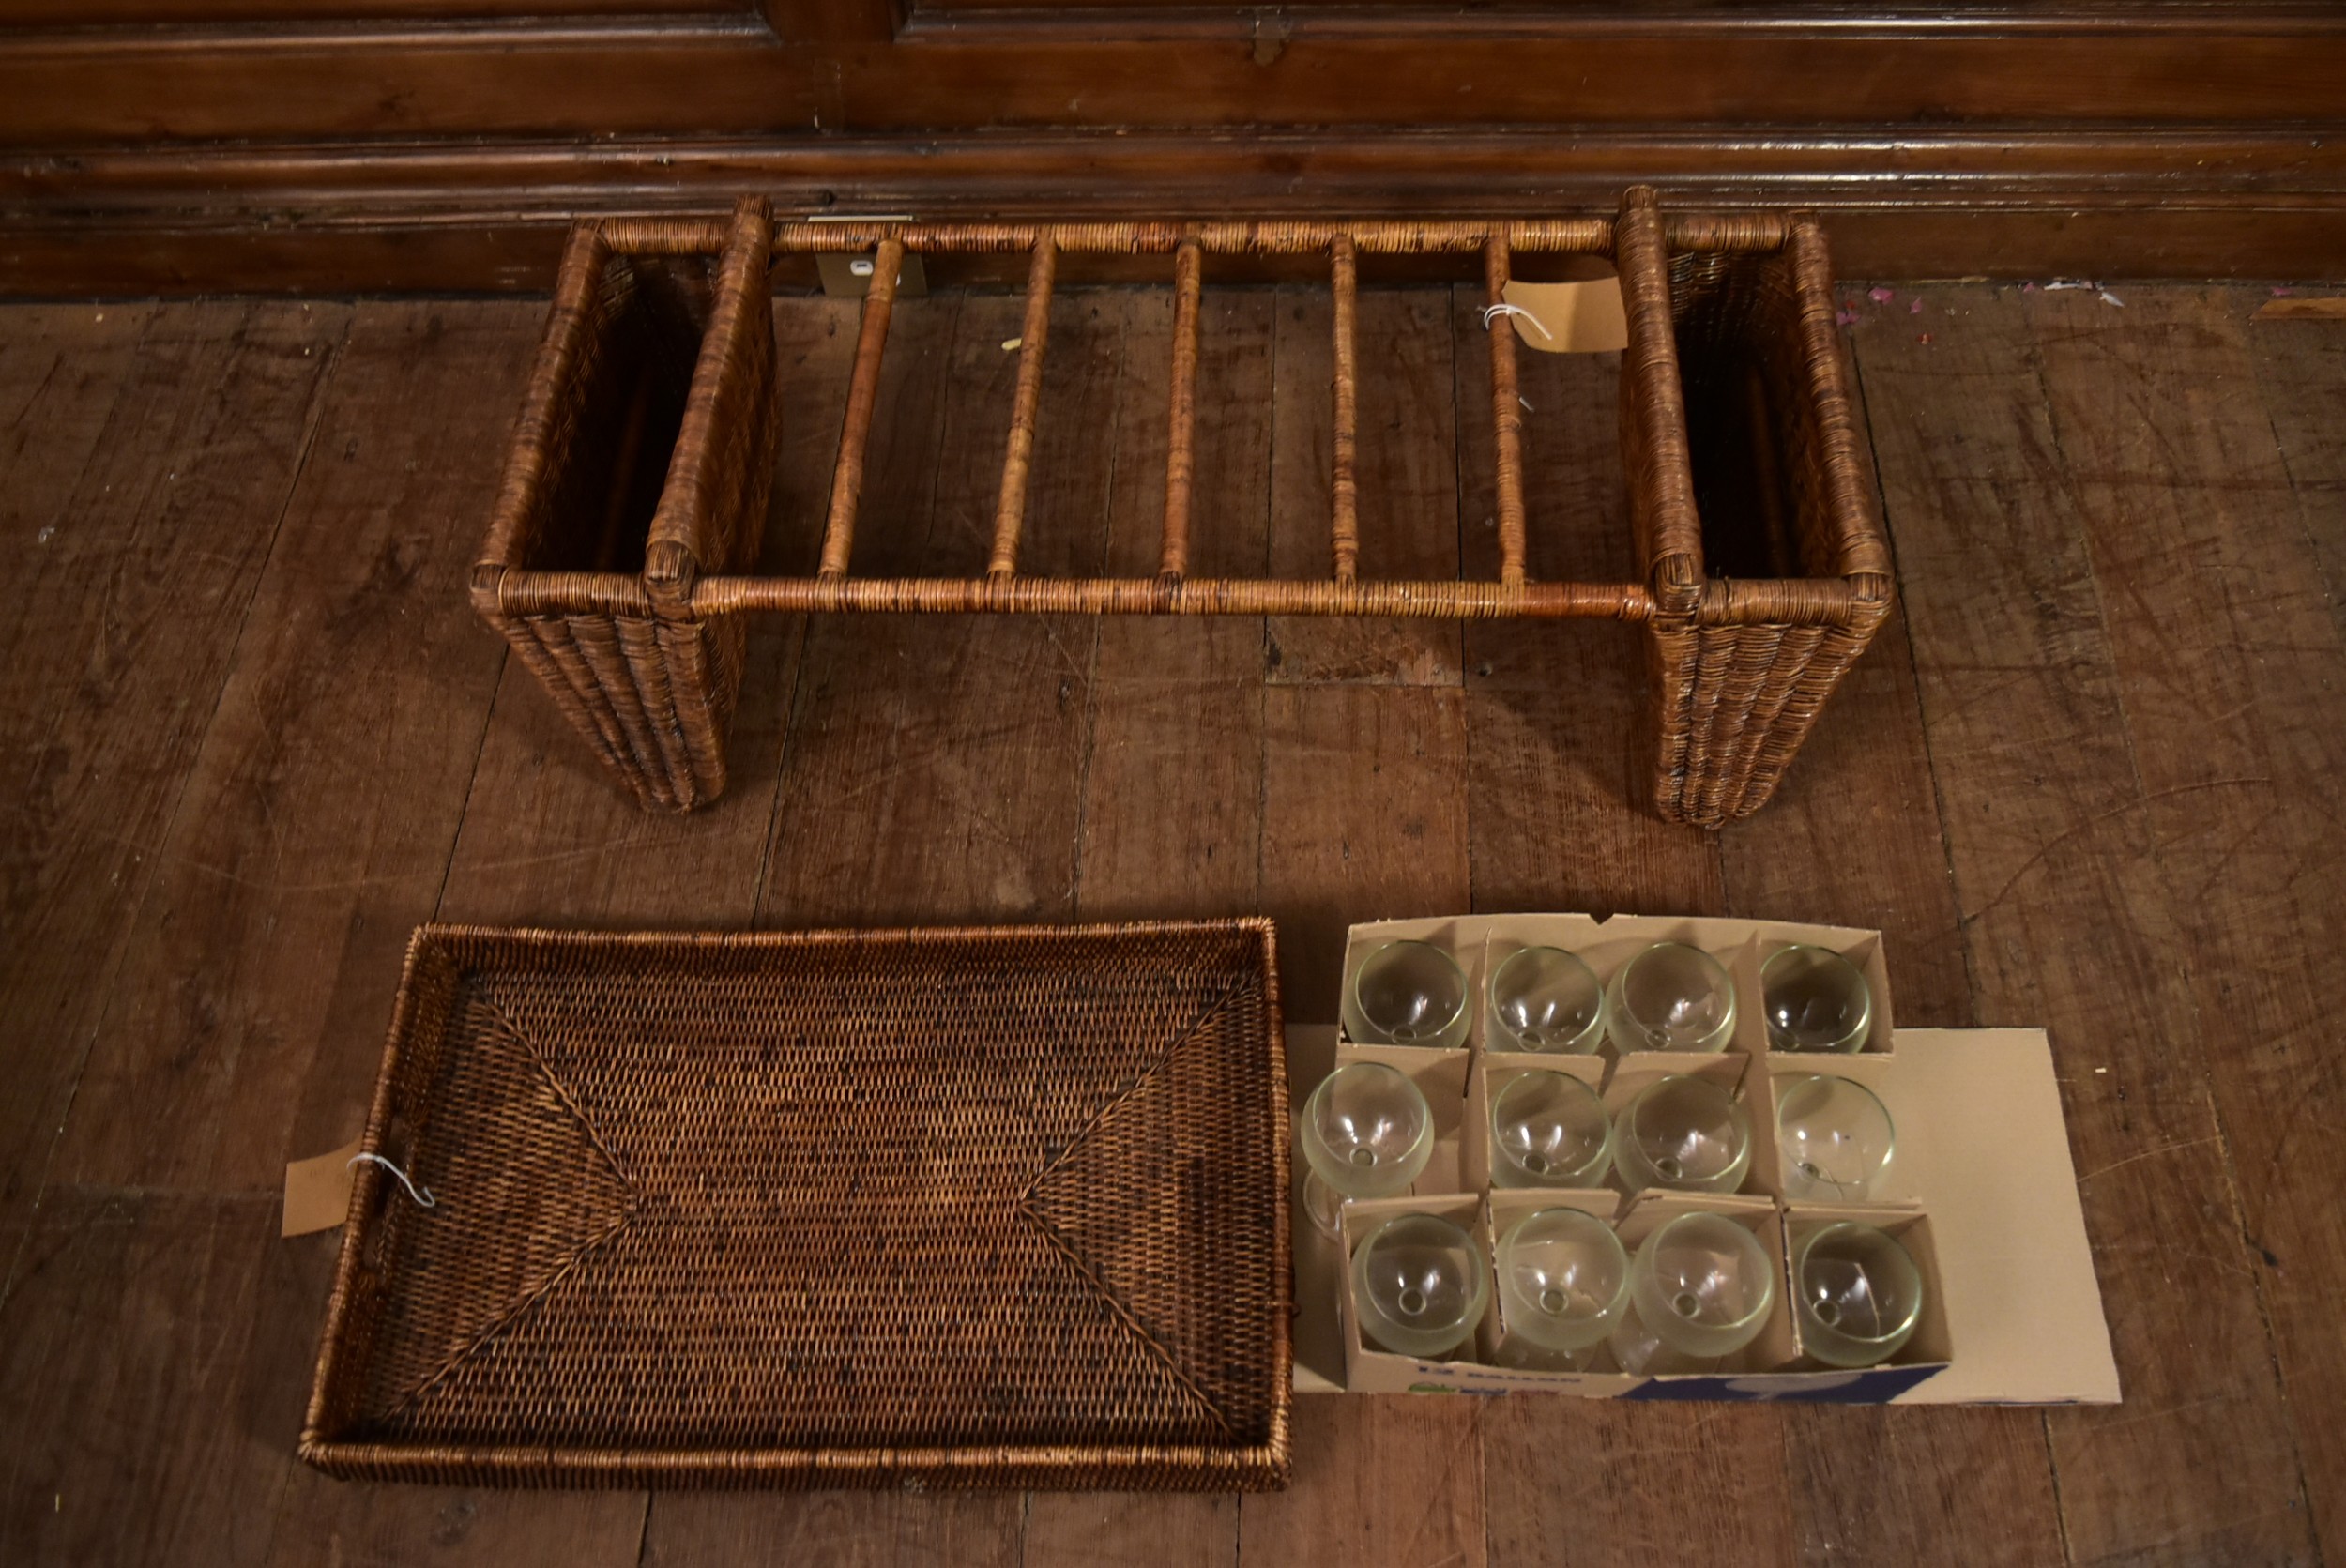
(1009, 512)
(1506, 413)
(1654, 414)
(1344, 483)
(979, 1208)
(1181, 437)
(846, 484)
(1757, 587)
(1195, 595)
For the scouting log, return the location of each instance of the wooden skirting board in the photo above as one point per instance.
(338, 145)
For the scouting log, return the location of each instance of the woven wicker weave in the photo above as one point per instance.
(988, 1208)
(1735, 415)
(645, 447)
(1763, 569)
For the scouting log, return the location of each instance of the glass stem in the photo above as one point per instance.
(1324, 1204)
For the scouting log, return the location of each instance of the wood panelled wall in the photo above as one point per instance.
(342, 145)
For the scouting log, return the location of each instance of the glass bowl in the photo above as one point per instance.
(1671, 997)
(1859, 1295)
(1682, 1132)
(1366, 1132)
(1563, 1283)
(1548, 1130)
(1701, 1288)
(1407, 994)
(1545, 999)
(1815, 1000)
(1420, 1285)
(1834, 1137)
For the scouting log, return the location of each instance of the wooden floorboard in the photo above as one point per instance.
(2238, 731)
(253, 734)
(2294, 874)
(245, 1017)
(2057, 853)
(152, 455)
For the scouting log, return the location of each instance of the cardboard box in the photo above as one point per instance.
(1982, 1190)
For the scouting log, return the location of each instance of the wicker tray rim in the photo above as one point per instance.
(1267, 1463)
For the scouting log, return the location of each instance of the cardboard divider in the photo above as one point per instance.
(1367, 1366)
(1447, 934)
(1934, 1342)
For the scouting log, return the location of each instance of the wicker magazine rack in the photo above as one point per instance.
(1763, 567)
(996, 1208)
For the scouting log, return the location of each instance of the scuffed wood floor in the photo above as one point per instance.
(2087, 779)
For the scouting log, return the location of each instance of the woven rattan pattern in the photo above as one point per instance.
(985, 1208)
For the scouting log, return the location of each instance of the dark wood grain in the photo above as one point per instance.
(88, 13)
(2194, 517)
(63, 369)
(1704, 1483)
(2300, 370)
(838, 1530)
(122, 1352)
(1364, 819)
(322, 808)
(322, 144)
(472, 213)
(1176, 712)
(2051, 831)
(172, 1331)
(1131, 1532)
(184, 434)
(696, 75)
(1382, 1478)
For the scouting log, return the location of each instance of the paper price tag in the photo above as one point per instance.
(1580, 317)
(317, 1191)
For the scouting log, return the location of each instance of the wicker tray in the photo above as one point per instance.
(983, 1208)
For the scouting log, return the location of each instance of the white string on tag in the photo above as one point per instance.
(421, 1194)
(1490, 311)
